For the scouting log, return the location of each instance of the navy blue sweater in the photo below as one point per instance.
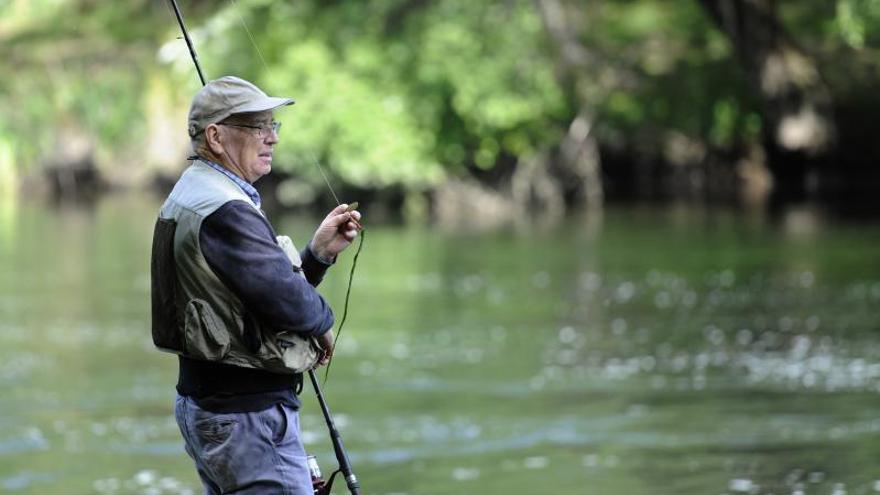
(239, 245)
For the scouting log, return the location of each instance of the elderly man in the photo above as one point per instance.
(237, 303)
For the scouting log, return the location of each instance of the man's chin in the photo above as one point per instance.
(262, 171)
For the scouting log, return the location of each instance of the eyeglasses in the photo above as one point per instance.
(263, 130)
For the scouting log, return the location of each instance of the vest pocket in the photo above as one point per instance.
(206, 335)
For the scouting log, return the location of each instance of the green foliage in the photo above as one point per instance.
(76, 65)
(456, 82)
(679, 70)
(855, 18)
(400, 93)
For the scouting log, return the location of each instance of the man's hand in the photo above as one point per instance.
(336, 232)
(325, 347)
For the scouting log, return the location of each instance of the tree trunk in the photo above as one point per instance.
(579, 152)
(799, 131)
(533, 189)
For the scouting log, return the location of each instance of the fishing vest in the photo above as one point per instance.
(194, 313)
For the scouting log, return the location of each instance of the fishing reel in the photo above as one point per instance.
(320, 486)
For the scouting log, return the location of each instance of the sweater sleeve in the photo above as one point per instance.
(239, 245)
(313, 267)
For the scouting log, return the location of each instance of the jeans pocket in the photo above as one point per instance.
(214, 431)
(276, 424)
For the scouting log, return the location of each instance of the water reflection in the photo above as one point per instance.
(661, 352)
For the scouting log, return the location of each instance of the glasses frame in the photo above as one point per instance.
(262, 130)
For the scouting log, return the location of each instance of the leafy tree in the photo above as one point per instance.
(554, 98)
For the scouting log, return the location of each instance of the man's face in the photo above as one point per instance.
(249, 150)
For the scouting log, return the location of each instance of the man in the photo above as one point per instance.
(236, 303)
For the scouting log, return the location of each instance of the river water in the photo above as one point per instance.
(646, 350)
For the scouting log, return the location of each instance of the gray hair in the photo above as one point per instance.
(198, 142)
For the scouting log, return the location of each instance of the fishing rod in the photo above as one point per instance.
(189, 43)
(341, 455)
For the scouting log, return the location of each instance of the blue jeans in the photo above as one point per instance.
(245, 453)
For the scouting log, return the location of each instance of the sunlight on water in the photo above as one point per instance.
(653, 356)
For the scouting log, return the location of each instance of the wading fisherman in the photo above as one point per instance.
(237, 303)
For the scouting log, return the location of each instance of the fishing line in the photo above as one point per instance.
(360, 246)
(248, 31)
(321, 169)
(350, 274)
(345, 305)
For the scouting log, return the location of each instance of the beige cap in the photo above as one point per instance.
(227, 96)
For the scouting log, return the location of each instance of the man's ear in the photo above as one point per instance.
(214, 138)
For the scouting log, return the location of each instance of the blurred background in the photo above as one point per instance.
(614, 246)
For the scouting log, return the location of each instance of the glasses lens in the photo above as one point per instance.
(265, 129)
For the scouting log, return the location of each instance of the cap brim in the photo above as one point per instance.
(263, 104)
